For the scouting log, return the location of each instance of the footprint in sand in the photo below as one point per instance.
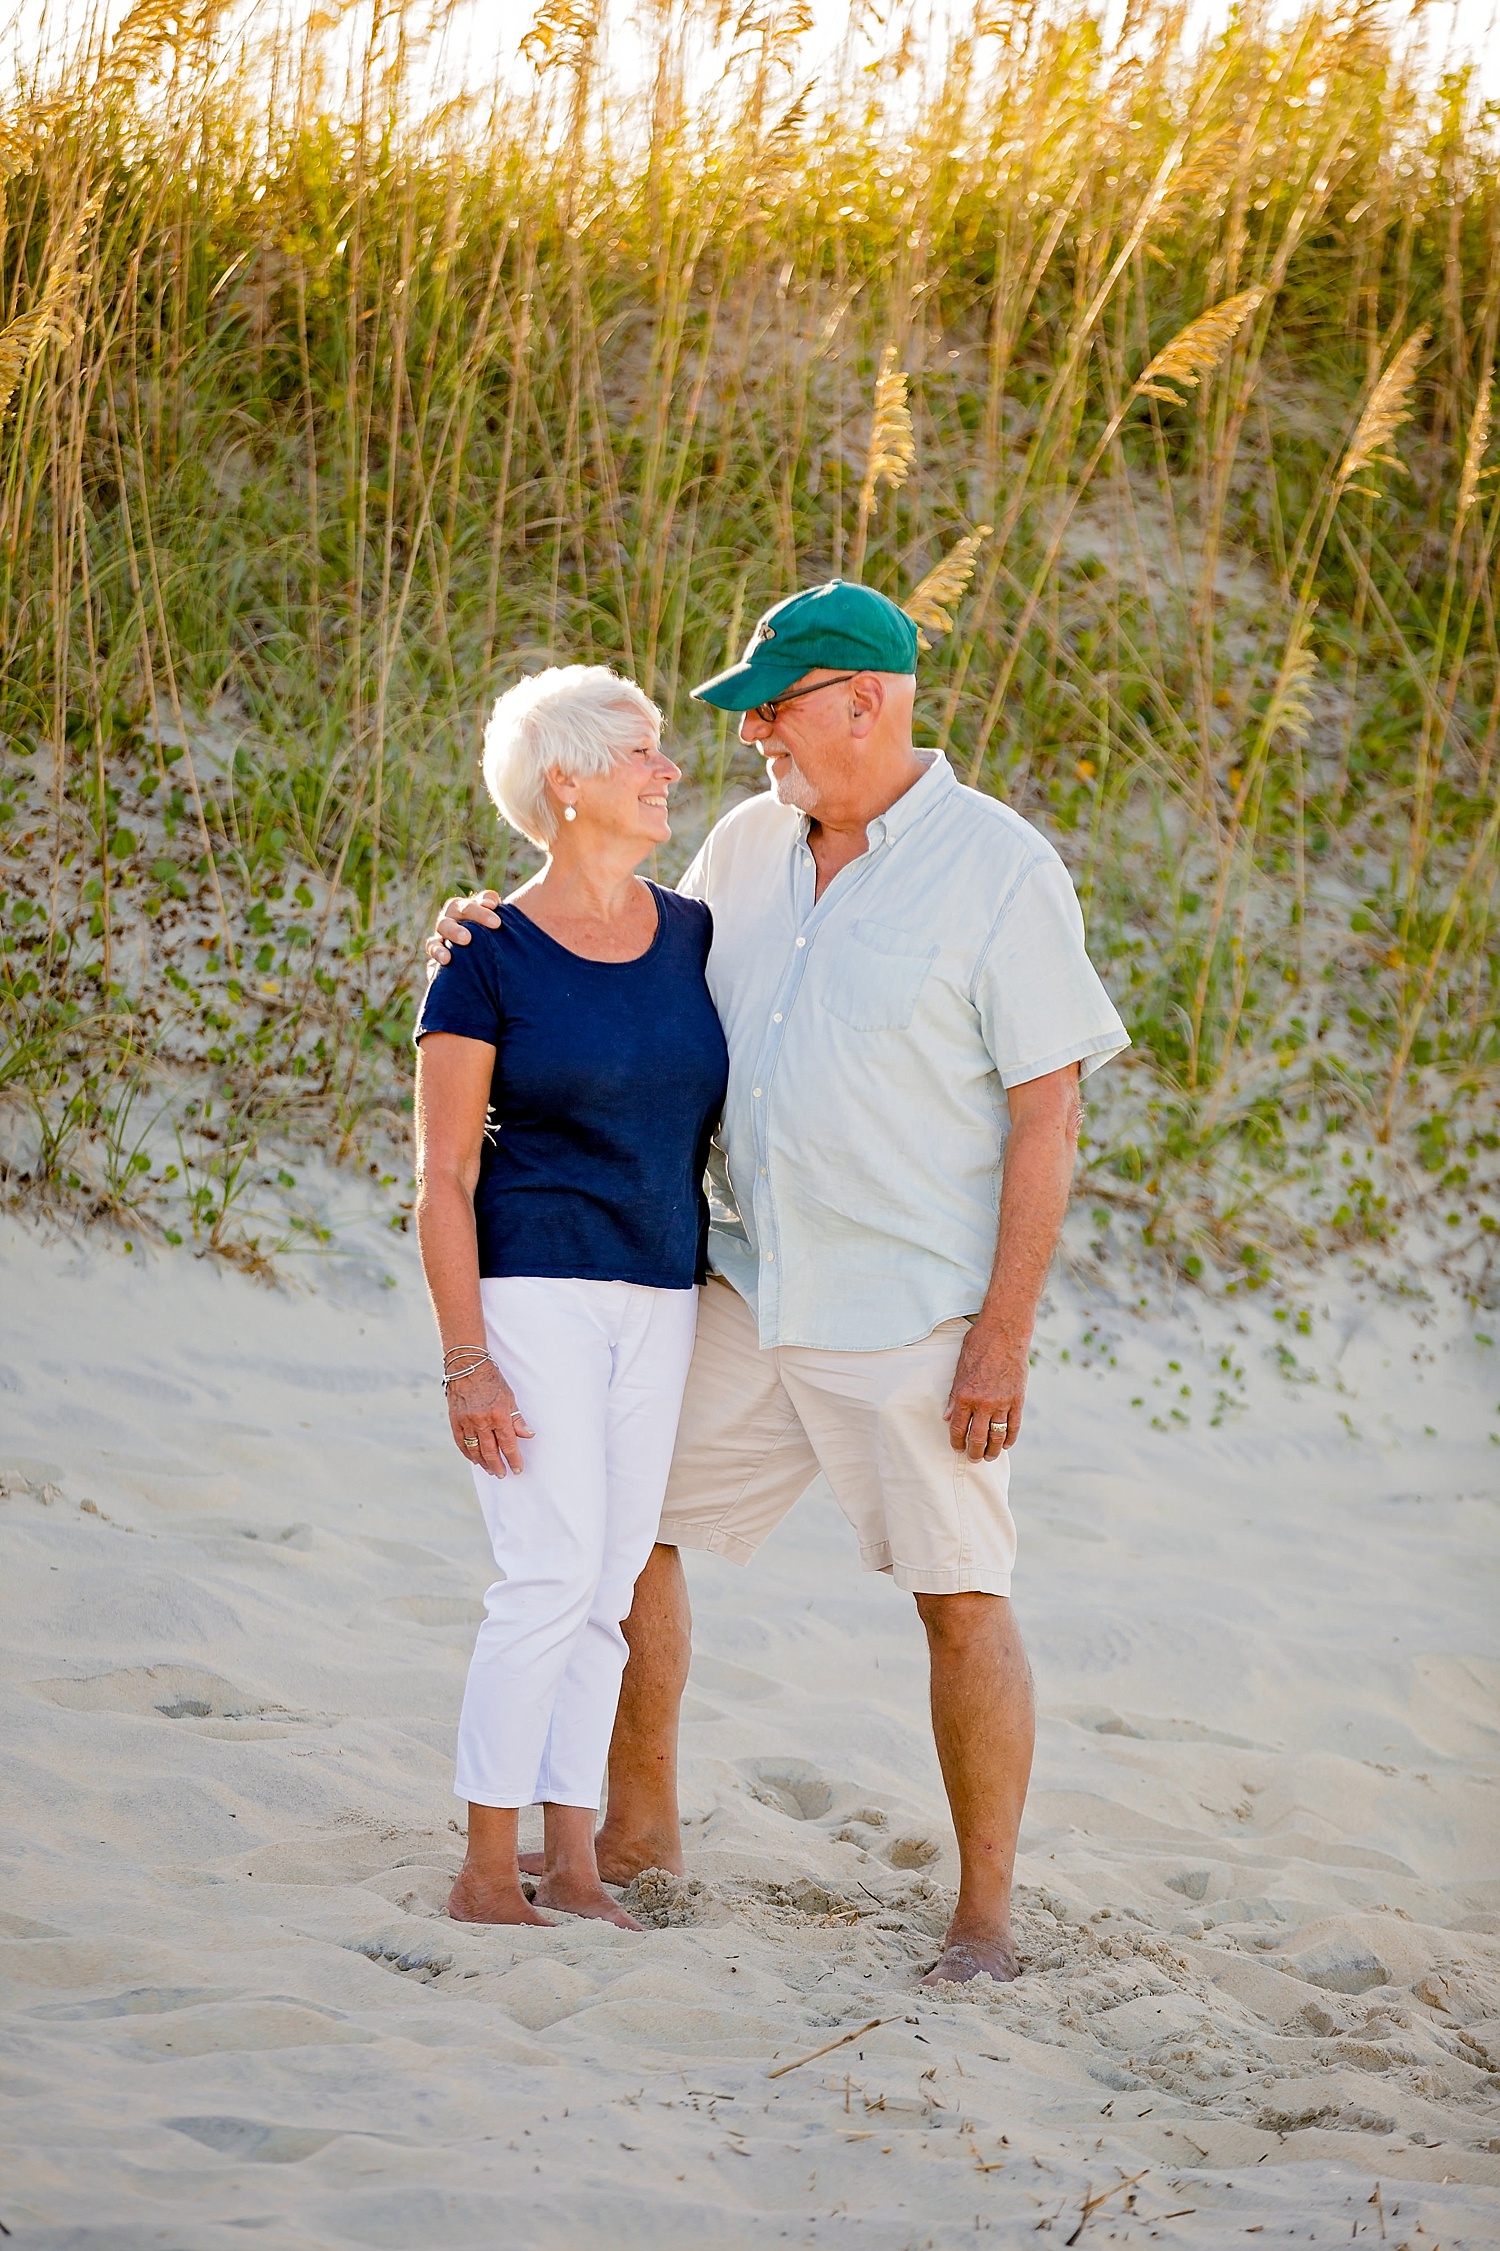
(540, 1993)
(913, 1851)
(299, 1536)
(791, 1785)
(251, 2141)
(176, 1692)
(141, 2000)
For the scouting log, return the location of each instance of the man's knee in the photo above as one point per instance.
(658, 1626)
(957, 1619)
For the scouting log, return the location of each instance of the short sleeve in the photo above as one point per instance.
(1041, 1004)
(464, 997)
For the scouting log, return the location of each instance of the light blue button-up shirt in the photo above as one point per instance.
(854, 1182)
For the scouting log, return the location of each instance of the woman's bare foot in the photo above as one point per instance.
(966, 1958)
(488, 1888)
(482, 1895)
(568, 1897)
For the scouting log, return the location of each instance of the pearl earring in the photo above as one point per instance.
(570, 812)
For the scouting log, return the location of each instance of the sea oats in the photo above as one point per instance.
(53, 316)
(1474, 450)
(1195, 351)
(930, 605)
(1384, 413)
(893, 445)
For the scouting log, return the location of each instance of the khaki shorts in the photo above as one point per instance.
(757, 1426)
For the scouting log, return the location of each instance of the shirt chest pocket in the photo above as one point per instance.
(874, 976)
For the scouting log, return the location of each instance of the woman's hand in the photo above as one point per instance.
(488, 1426)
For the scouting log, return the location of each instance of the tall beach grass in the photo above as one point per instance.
(335, 398)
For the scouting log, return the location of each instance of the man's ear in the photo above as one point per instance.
(866, 693)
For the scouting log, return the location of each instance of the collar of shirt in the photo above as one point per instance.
(908, 808)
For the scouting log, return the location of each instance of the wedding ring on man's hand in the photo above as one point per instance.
(471, 1441)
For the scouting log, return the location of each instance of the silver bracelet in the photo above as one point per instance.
(458, 1375)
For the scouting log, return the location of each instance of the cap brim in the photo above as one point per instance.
(745, 685)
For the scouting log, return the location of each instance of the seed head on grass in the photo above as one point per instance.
(53, 315)
(1195, 351)
(1385, 411)
(892, 448)
(1474, 450)
(1289, 712)
(563, 33)
(893, 445)
(930, 605)
(144, 32)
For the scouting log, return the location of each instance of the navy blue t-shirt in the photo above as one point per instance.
(609, 1079)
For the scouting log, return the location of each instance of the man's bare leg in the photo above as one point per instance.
(640, 1816)
(984, 1722)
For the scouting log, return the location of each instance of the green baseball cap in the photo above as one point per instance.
(840, 627)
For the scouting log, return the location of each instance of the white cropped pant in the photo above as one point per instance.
(597, 1369)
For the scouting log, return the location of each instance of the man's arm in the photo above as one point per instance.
(989, 1384)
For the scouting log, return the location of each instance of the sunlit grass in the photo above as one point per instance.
(326, 416)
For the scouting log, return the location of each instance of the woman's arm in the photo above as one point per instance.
(453, 1093)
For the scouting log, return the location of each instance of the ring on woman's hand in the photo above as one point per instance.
(471, 1441)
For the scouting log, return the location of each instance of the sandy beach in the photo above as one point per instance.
(1259, 1897)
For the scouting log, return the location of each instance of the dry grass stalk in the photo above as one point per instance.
(1195, 351)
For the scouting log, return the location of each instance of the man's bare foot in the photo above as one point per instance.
(570, 1898)
(966, 1958)
(621, 1860)
(480, 1898)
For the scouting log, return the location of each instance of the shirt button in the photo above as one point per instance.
(776, 1019)
(770, 1258)
(802, 941)
(755, 1090)
(762, 1172)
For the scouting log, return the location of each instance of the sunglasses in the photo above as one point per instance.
(768, 711)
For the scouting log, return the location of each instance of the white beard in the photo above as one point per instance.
(793, 788)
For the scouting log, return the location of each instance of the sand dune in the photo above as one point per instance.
(1260, 1906)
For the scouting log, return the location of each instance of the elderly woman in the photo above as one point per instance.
(570, 1072)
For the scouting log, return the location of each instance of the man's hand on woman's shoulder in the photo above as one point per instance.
(480, 906)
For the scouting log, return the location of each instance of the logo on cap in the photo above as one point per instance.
(763, 632)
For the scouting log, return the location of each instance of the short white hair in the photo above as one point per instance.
(573, 718)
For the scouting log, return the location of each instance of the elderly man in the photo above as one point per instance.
(899, 965)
